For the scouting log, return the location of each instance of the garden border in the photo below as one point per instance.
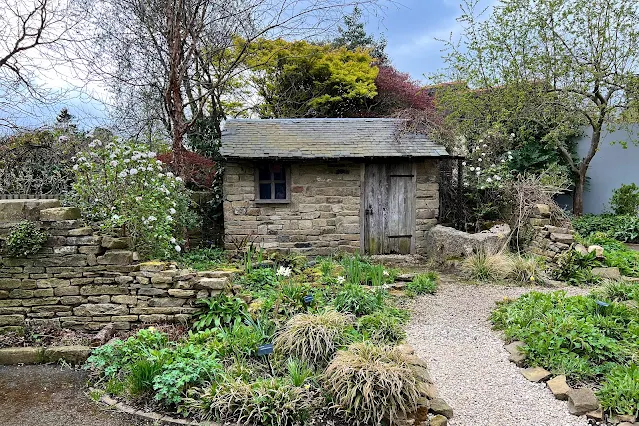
(111, 402)
(17, 355)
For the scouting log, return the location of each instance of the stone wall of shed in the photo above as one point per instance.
(322, 217)
(84, 280)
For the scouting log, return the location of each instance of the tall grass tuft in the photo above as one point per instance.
(484, 266)
(372, 383)
(314, 338)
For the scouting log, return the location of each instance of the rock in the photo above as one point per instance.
(428, 390)
(75, 354)
(59, 213)
(81, 232)
(596, 415)
(536, 374)
(405, 277)
(581, 249)
(607, 273)
(16, 319)
(581, 401)
(516, 355)
(116, 243)
(444, 243)
(18, 210)
(599, 251)
(562, 238)
(212, 283)
(542, 210)
(403, 348)
(421, 414)
(104, 335)
(116, 257)
(438, 420)
(27, 355)
(626, 424)
(97, 309)
(559, 387)
(439, 406)
(621, 418)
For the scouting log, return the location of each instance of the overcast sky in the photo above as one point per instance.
(411, 28)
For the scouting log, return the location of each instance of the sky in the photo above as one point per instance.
(411, 28)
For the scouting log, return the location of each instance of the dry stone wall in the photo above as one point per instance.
(549, 241)
(84, 280)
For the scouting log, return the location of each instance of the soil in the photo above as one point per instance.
(50, 395)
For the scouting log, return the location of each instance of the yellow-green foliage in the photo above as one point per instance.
(371, 383)
(314, 338)
(298, 79)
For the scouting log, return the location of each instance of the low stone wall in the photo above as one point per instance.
(83, 280)
(549, 241)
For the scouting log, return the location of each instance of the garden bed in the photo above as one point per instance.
(591, 340)
(294, 342)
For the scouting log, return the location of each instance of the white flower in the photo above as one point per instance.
(133, 171)
(169, 174)
(489, 180)
(122, 174)
(173, 240)
(481, 141)
(385, 273)
(463, 163)
(503, 161)
(485, 146)
(158, 162)
(172, 210)
(478, 168)
(512, 135)
(510, 157)
(114, 163)
(92, 145)
(169, 218)
(63, 138)
(138, 199)
(126, 160)
(479, 159)
(340, 280)
(115, 217)
(178, 248)
(478, 172)
(152, 218)
(151, 154)
(179, 179)
(76, 167)
(284, 272)
(497, 177)
(483, 154)
(472, 169)
(97, 142)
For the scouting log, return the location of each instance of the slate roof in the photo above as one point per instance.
(323, 138)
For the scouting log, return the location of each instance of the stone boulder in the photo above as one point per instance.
(439, 406)
(607, 273)
(559, 387)
(19, 210)
(536, 374)
(582, 401)
(444, 243)
(599, 251)
(516, 356)
(59, 213)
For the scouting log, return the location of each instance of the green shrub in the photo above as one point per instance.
(386, 326)
(220, 311)
(422, 284)
(616, 254)
(203, 259)
(622, 228)
(576, 268)
(314, 338)
(269, 402)
(619, 392)
(358, 300)
(484, 266)
(298, 371)
(625, 200)
(258, 279)
(141, 375)
(370, 383)
(24, 239)
(239, 341)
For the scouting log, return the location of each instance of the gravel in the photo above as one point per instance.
(468, 362)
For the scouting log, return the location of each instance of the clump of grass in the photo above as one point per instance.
(484, 266)
(141, 376)
(526, 269)
(298, 371)
(423, 284)
(620, 390)
(314, 338)
(357, 300)
(372, 383)
(386, 326)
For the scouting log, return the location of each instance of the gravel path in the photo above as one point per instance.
(469, 365)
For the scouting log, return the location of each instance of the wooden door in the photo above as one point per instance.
(389, 208)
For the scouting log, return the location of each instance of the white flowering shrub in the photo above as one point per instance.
(486, 166)
(122, 185)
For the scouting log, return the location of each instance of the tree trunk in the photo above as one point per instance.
(578, 197)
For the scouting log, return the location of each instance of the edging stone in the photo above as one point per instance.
(74, 354)
(147, 415)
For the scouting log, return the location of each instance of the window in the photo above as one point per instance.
(272, 183)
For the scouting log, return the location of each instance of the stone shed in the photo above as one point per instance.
(317, 186)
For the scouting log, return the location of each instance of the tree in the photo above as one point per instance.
(179, 58)
(300, 79)
(574, 58)
(353, 35)
(397, 91)
(34, 37)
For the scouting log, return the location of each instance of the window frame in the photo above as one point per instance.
(287, 183)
